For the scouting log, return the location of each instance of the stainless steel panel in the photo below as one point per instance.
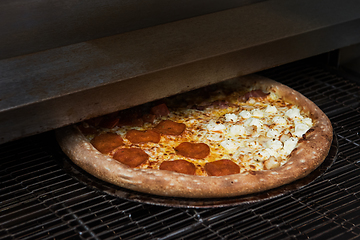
(36, 25)
(53, 88)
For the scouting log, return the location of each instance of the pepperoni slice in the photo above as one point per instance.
(132, 157)
(149, 118)
(107, 142)
(222, 104)
(136, 136)
(130, 117)
(180, 166)
(87, 129)
(130, 121)
(193, 150)
(254, 93)
(221, 167)
(94, 121)
(160, 110)
(109, 121)
(169, 127)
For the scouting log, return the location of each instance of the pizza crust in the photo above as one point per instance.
(308, 155)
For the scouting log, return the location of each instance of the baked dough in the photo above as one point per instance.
(309, 153)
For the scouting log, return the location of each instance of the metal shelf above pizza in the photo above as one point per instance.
(56, 87)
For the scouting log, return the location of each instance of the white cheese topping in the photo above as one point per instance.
(231, 117)
(272, 133)
(257, 113)
(236, 130)
(245, 114)
(251, 101)
(279, 120)
(213, 126)
(274, 144)
(272, 152)
(253, 144)
(290, 144)
(306, 121)
(229, 145)
(301, 129)
(253, 122)
(262, 155)
(271, 109)
(293, 113)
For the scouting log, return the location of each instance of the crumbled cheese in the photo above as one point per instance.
(245, 114)
(253, 144)
(229, 145)
(279, 120)
(271, 163)
(251, 101)
(231, 117)
(301, 129)
(236, 130)
(273, 96)
(274, 144)
(271, 109)
(262, 155)
(213, 126)
(271, 152)
(253, 122)
(290, 144)
(272, 133)
(257, 113)
(242, 151)
(307, 121)
(293, 113)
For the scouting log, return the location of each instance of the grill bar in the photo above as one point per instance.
(38, 199)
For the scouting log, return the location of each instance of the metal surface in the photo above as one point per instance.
(37, 25)
(53, 88)
(126, 194)
(38, 200)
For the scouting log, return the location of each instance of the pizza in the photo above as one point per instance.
(238, 137)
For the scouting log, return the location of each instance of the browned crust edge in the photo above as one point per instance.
(309, 154)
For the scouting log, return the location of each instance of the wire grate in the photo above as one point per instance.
(38, 199)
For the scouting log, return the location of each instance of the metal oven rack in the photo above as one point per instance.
(39, 200)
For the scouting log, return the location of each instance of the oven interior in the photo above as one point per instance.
(39, 199)
(51, 76)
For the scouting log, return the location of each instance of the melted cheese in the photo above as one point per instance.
(255, 134)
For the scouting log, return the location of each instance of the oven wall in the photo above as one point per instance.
(36, 25)
(123, 70)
